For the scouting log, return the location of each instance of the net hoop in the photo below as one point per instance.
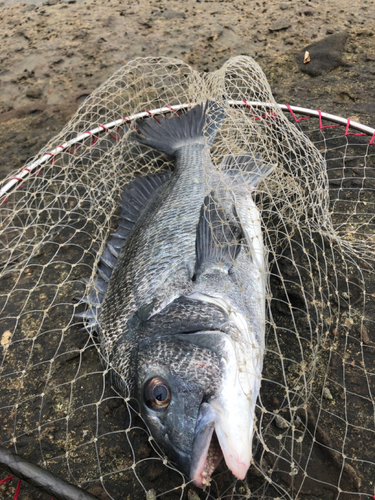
(16, 181)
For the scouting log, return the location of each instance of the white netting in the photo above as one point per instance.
(315, 428)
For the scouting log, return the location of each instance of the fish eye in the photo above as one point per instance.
(157, 394)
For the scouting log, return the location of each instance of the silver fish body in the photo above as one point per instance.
(183, 317)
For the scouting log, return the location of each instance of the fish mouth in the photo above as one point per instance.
(213, 442)
(207, 454)
(208, 462)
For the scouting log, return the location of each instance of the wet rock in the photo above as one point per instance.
(325, 55)
(280, 24)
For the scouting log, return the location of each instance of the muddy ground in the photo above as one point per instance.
(55, 53)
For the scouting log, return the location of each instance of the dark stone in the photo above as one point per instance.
(280, 24)
(325, 55)
(308, 11)
(34, 93)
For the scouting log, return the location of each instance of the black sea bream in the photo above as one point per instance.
(182, 320)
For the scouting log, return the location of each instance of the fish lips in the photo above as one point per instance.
(206, 452)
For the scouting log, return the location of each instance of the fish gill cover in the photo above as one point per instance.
(66, 407)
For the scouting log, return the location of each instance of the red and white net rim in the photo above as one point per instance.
(67, 146)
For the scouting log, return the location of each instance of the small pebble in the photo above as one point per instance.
(281, 24)
(192, 495)
(297, 421)
(327, 393)
(151, 495)
(307, 12)
(281, 423)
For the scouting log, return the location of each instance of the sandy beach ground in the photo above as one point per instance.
(54, 53)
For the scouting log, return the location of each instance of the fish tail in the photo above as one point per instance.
(197, 126)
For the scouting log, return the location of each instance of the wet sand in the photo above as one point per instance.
(55, 53)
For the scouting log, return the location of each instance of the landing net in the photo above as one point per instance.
(315, 418)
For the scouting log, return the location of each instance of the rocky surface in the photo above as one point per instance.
(56, 52)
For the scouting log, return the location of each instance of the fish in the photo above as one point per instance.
(179, 298)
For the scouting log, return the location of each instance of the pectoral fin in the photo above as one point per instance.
(218, 240)
(247, 168)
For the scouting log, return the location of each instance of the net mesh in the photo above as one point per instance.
(314, 426)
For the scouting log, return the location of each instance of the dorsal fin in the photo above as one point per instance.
(198, 126)
(218, 240)
(133, 199)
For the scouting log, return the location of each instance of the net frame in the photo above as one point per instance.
(50, 156)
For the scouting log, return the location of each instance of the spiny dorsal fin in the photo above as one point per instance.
(197, 126)
(218, 241)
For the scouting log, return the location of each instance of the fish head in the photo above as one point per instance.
(196, 404)
(174, 377)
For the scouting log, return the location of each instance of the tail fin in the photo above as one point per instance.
(197, 126)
